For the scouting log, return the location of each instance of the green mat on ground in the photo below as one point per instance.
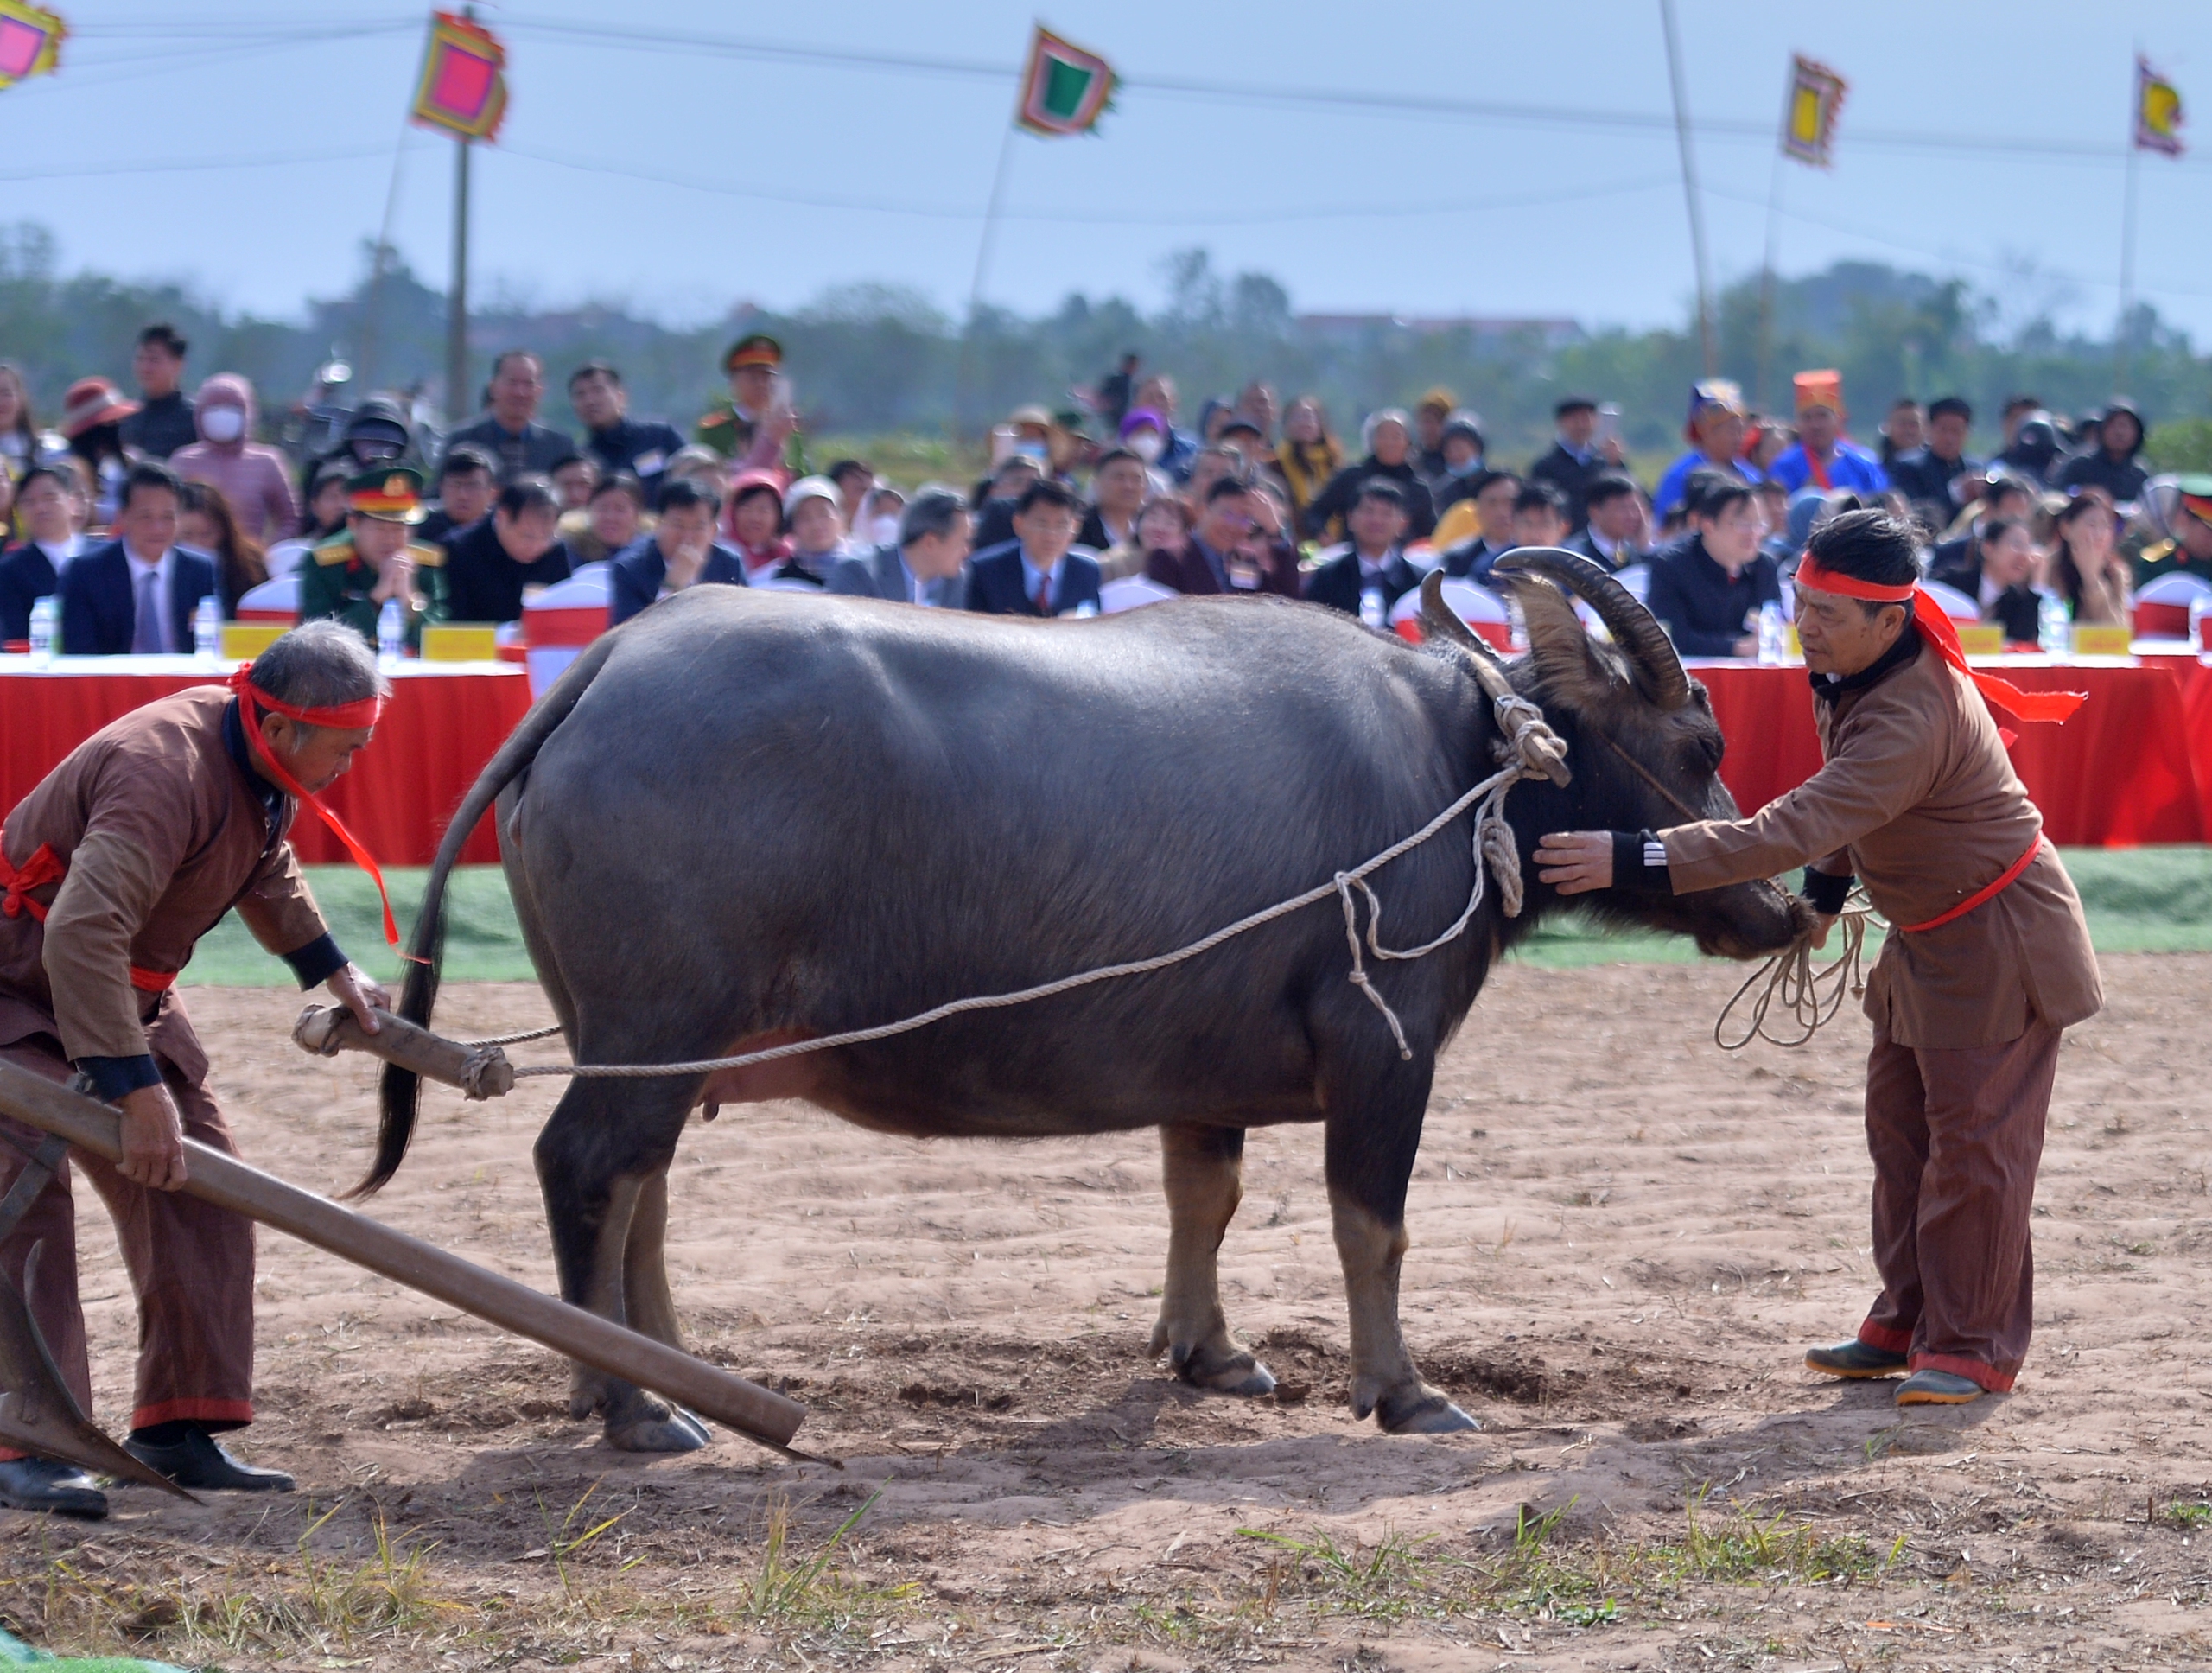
(2139, 899)
(14, 1653)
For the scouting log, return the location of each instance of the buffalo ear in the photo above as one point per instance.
(1572, 668)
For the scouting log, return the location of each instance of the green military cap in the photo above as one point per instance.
(392, 494)
(758, 350)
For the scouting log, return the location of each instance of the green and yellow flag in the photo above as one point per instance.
(1065, 90)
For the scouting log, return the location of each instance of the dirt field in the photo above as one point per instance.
(1623, 1241)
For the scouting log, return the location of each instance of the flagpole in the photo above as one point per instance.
(983, 265)
(1766, 268)
(1689, 186)
(2127, 234)
(457, 300)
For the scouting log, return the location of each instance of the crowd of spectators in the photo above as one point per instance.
(134, 510)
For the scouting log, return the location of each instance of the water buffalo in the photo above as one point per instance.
(753, 818)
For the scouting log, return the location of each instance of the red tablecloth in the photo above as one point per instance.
(2128, 768)
(442, 726)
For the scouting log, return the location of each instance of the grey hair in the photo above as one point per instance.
(320, 664)
(930, 512)
(1397, 416)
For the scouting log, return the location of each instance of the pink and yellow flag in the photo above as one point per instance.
(30, 41)
(463, 88)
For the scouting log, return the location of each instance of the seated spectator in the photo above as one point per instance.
(681, 552)
(467, 482)
(19, 435)
(254, 480)
(1243, 437)
(1213, 412)
(1577, 457)
(205, 525)
(995, 502)
(816, 526)
(2088, 568)
(1957, 562)
(489, 562)
(1367, 573)
(1156, 397)
(509, 430)
(31, 568)
(2036, 449)
(1037, 573)
(325, 517)
(1539, 515)
(2112, 465)
(1904, 431)
(1388, 437)
(1209, 465)
(1163, 526)
(1489, 508)
(82, 490)
(1764, 440)
(926, 564)
(1706, 592)
(1774, 511)
(1256, 401)
(1820, 456)
(2006, 593)
(1309, 457)
(1228, 550)
(1613, 534)
(1715, 429)
(136, 595)
(693, 463)
(882, 509)
(1144, 433)
(92, 417)
(1430, 414)
(619, 442)
(854, 480)
(754, 524)
(1927, 474)
(573, 480)
(1462, 448)
(160, 423)
(352, 576)
(2186, 548)
(1119, 485)
(611, 521)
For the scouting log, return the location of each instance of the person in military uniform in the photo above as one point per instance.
(2184, 510)
(350, 576)
(752, 425)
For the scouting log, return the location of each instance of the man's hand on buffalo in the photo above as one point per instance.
(1576, 861)
(361, 995)
(153, 1139)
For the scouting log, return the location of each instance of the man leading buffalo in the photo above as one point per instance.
(1989, 959)
(112, 867)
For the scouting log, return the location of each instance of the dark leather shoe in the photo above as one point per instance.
(1854, 1358)
(49, 1485)
(1938, 1388)
(196, 1461)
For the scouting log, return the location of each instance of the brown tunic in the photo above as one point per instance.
(1917, 789)
(163, 834)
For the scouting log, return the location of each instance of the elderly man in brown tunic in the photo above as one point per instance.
(1987, 961)
(121, 858)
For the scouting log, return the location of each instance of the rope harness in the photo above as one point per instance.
(1809, 997)
(1528, 749)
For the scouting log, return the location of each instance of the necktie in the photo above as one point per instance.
(146, 634)
(1045, 597)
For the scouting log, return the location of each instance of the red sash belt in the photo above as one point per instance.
(43, 868)
(1982, 895)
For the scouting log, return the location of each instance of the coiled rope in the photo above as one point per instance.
(1809, 997)
(1529, 749)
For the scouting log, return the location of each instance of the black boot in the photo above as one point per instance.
(196, 1461)
(49, 1485)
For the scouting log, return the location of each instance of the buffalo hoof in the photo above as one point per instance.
(645, 1425)
(1421, 1410)
(1222, 1370)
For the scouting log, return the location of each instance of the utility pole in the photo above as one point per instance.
(459, 407)
(1689, 187)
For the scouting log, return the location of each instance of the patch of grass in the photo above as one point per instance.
(791, 1595)
(1383, 1581)
(2186, 1514)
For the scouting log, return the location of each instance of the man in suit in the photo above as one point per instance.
(1229, 551)
(1577, 458)
(32, 567)
(680, 551)
(1369, 574)
(925, 566)
(1039, 572)
(518, 545)
(509, 430)
(1616, 522)
(134, 596)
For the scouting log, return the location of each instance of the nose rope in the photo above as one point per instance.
(1809, 997)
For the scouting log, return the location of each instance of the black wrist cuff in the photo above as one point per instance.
(1825, 892)
(112, 1077)
(317, 961)
(1640, 862)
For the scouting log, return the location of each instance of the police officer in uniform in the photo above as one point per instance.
(351, 575)
(734, 424)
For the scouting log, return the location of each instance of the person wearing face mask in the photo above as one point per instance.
(375, 433)
(252, 477)
(881, 509)
(1144, 433)
(1463, 453)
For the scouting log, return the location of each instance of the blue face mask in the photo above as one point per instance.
(1467, 469)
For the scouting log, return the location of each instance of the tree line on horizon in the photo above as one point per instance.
(871, 358)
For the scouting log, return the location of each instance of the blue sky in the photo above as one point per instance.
(1979, 138)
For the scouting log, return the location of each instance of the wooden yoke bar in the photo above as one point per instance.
(759, 1414)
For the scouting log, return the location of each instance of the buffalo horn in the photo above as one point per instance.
(1635, 629)
(1440, 621)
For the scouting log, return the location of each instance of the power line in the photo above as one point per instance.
(349, 155)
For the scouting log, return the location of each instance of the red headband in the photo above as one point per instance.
(1935, 625)
(343, 717)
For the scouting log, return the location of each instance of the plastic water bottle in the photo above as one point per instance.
(1370, 607)
(45, 622)
(1774, 648)
(2051, 624)
(1085, 610)
(391, 635)
(207, 630)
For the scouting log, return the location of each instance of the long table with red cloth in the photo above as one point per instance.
(2133, 765)
(441, 727)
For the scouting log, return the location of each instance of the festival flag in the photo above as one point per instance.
(1065, 90)
(464, 85)
(2157, 110)
(30, 41)
(1808, 123)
